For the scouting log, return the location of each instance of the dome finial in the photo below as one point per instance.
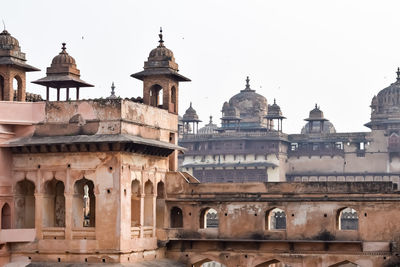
(63, 48)
(274, 101)
(316, 106)
(398, 74)
(247, 83)
(113, 89)
(161, 41)
(4, 25)
(211, 120)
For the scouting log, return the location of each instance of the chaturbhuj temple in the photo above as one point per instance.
(97, 182)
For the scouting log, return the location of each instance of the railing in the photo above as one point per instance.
(87, 233)
(135, 232)
(344, 177)
(53, 233)
(270, 134)
(318, 152)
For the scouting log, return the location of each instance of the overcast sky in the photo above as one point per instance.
(338, 54)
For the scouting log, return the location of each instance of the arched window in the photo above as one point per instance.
(156, 95)
(84, 204)
(276, 219)
(6, 217)
(345, 264)
(176, 218)
(348, 219)
(17, 86)
(2, 88)
(208, 263)
(54, 204)
(148, 203)
(173, 97)
(25, 204)
(160, 205)
(135, 203)
(209, 218)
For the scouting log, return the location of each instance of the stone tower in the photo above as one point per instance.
(161, 78)
(12, 66)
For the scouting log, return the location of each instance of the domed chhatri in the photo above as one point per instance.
(191, 116)
(161, 78)
(250, 108)
(209, 128)
(10, 52)
(274, 113)
(63, 73)
(316, 123)
(12, 66)
(385, 107)
(160, 61)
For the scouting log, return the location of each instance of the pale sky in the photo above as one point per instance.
(338, 54)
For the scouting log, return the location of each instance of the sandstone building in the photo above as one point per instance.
(96, 181)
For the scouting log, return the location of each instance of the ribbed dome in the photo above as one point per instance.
(161, 53)
(388, 99)
(7, 41)
(63, 58)
(251, 107)
(316, 126)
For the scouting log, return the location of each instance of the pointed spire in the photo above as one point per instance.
(161, 41)
(190, 104)
(398, 74)
(274, 101)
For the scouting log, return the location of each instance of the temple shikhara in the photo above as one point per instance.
(130, 183)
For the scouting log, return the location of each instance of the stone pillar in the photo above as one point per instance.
(68, 216)
(39, 215)
(141, 215)
(154, 214)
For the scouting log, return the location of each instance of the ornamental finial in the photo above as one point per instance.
(161, 41)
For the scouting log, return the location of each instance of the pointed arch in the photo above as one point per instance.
(347, 219)
(207, 263)
(345, 263)
(6, 216)
(18, 88)
(135, 203)
(271, 263)
(209, 218)
(173, 98)
(84, 204)
(160, 205)
(155, 91)
(275, 219)
(25, 204)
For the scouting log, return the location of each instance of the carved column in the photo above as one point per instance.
(68, 215)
